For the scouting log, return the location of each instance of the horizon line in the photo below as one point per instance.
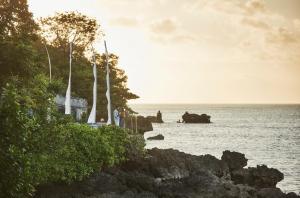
(216, 103)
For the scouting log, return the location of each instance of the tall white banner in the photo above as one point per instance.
(49, 61)
(108, 87)
(92, 117)
(68, 92)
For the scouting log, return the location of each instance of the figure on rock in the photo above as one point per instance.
(159, 117)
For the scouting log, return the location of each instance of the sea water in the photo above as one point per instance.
(266, 134)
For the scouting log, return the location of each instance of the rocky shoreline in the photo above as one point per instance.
(171, 173)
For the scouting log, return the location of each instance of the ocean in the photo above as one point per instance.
(266, 134)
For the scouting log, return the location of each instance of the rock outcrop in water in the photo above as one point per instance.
(157, 137)
(259, 177)
(140, 124)
(157, 118)
(170, 173)
(195, 118)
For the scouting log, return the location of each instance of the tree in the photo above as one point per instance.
(63, 28)
(120, 93)
(16, 22)
(58, 31)
(18, 32)
(24, 128)
(40, 146)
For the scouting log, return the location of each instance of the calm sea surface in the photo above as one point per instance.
(266, 134)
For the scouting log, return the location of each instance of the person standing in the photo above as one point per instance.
(116, 117)
(159, 117)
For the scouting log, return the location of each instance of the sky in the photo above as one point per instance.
(199, 51)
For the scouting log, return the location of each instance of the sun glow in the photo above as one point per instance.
(199, 51)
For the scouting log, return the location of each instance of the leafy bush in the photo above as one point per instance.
(40, 146)
(81, 150)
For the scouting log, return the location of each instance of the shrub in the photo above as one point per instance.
(82, 150)
(22, 136)
(40, 146)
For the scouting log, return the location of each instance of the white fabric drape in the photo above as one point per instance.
(108, 88)
(49, 61)
(92, 116)
(68, 92)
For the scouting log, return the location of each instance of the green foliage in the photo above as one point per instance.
(61, 30)
(23, 117)
(16, 22)
(37, 144)
(40, 146)
(18, 31)
(120, 94)
(23, 54)
(67, 27)
(81, 150)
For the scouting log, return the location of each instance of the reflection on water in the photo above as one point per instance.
(267, 134)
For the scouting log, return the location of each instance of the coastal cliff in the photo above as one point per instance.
(171, 173)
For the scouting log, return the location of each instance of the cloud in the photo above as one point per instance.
(296, 23)
(256, 23)
(168, 31)
(183, 38)
(282, 36)
(173, 38)
(237, 7)
(125, 22)
(255, 6)
(165, 26)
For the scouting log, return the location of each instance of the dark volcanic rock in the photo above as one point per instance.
(152, 119)
(142, 124)
(259, 177)
(156, 119)
(274, 193)
(270, 193)
(157, 137)
(167, 173)
(195, 118)
(264, 177)
(234, 160)
(174, 164)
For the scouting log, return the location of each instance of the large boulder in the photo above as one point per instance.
(259, 177)
(275, 193)
(154, 119)
(165, 173)
(140, 124)
(156, 137)
(234, 160)
(157, 118)
(170, 163)
(195, 118)
(264, 177)
(271, 193)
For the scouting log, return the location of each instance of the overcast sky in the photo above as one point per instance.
(199, 51)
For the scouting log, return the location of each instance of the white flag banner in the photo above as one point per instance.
(68, 92)
(49, 61)
(92, 117)
(108, 88)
